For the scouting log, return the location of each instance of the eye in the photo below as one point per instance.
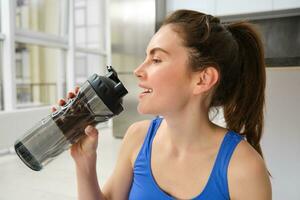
(156, 61)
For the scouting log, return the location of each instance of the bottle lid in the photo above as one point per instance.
(110, 89)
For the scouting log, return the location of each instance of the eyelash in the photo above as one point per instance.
(156, 61)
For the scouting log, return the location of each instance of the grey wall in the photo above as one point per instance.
(281, 140)
(281, 40)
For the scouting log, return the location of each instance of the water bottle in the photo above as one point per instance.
(98, 99)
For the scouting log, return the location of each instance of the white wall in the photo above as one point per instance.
(281, 140)
(206, 6)
(13, 124)
(231, 7)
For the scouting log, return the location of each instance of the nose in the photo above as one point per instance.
(140, 72)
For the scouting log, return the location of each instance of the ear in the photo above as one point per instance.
(205, 80)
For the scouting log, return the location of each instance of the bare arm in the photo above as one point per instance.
(87, 183)
(248, 177)
(85, 157)
(118, 185)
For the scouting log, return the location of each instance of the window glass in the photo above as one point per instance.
(1, 82)
(89, 24)
(47, 16)
(88, 64)
(36, 74)
(0, 17)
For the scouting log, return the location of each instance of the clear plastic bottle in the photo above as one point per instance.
(98, 99)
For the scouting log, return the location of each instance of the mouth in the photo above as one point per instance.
(147, 90)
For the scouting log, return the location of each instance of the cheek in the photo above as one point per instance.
(166, 75)
(173, 91)
(173, 82)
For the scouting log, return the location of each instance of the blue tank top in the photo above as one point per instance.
(144, 187)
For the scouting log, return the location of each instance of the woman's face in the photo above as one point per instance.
(164, 75)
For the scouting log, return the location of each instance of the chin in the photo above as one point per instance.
(142, 111)
(146, 111)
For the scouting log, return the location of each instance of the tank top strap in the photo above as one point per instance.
(229, 143)
(146, 147)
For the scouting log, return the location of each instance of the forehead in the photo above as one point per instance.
(166, 38)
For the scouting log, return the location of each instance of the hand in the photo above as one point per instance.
(87, 146)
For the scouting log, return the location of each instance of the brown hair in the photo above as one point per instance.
(236, 51)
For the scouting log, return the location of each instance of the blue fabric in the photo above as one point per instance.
(144, 186)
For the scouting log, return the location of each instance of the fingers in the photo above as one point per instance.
(73, 94)
(61, 102)
(53, 109)
(76, 90)
(70, 95)
(91, 131)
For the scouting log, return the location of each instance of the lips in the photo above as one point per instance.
(146, 90)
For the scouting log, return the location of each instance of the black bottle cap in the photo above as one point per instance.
(110, 89)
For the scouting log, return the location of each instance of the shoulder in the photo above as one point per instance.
(118, 184)
(248, 176)
(137, 131)
(134, 138)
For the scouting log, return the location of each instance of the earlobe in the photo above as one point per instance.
(205, 80)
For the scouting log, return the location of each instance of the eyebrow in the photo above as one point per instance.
(152, 51)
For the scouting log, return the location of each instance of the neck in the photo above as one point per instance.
(188, 129)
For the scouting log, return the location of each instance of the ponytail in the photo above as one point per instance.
(244, 111)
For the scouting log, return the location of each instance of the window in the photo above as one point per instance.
(37, 69)
(89, 38)
(42, 45)
(42, 15)
(88, 24)
(87, 64)
(40, 51)
(1, 82)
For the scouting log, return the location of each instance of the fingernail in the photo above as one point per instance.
(89, 128)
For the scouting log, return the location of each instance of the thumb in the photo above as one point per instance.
(91, 132)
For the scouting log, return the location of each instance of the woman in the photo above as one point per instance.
(193, 64)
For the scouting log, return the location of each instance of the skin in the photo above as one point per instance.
(186, 144)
